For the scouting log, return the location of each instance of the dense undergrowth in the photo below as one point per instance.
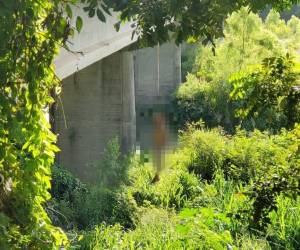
(211, 196)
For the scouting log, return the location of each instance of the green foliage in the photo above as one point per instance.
(79, 23)
(111, 171)
(159, 230)
(103, 205)
(188, 57)
(79, 206)
(76, 205)
(198, 99)
(206, 226)
(211, 221)
(173, 190)
(274, 182)
(248, 41)
(242, 157)
(203, 152)
(30, 35)
(267, 164)
(159, 21)
(228, 197)
(65, 190)
(268, 93)
(249, 174)
(64, 185)
(265, 193)
(247, 180)
(101, 237)
(208, 215)
(284, 229)
(93, 205)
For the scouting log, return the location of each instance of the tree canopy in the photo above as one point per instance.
(248, 41)
(160, 20)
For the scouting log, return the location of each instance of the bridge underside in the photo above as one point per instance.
(99, 103)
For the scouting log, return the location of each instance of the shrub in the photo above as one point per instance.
(200, 99)
(160, 230)
(83, 206)
(284, 229)
(65, 189)
(233, 201)
(279, 176)
(182, 212)
(241, 157)
(111, 171)
(172, 191)
(225, 195)
(202, 151)
(203, 228)
(266, 165)
(103, 205)
(64, 185)
(267, 95)
(76, 205)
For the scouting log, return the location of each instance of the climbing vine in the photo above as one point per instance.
(31, 33)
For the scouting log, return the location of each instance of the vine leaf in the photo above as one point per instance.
(106, 9)
(69, 11)
(91, 13)
(101, 16)
(117, 25)
(79, 24)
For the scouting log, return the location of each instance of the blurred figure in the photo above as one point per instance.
(159, 144)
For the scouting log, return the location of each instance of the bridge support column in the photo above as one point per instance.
(128, 99)
(98, 103)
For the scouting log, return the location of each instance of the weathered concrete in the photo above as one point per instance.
(99, 104)
(95, 41)
(99, 90)
(128, 103)
(157, 74)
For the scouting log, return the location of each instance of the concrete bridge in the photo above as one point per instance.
(103, 82)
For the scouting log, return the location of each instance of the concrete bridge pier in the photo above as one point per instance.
(97, 104)
(128, 103)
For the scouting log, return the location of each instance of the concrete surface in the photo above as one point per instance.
(157, 74)
(102, 83)
(95, 41)
(98, 104)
